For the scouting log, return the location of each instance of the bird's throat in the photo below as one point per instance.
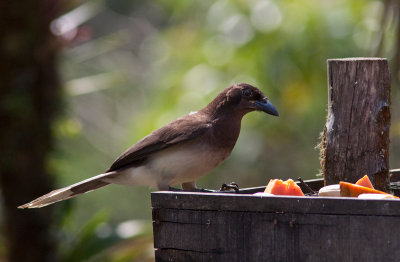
(226, 131)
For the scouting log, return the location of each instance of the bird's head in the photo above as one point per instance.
(242, 98)
(252, 99)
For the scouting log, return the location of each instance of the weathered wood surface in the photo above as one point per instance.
(277, 204)
(237, 227)
(355, 139)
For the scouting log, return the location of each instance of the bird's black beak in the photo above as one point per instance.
(266, 107)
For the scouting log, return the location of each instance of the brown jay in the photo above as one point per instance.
(181, 151)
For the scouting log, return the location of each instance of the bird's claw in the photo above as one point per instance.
(229, 187)
(225, 188)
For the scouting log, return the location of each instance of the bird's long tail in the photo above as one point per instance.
(69, 191)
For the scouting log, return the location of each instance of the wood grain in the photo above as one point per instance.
(355, 139)
(230, 227)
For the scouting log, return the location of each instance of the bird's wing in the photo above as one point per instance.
(181, 130)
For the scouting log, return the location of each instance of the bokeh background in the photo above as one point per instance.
(84, 80)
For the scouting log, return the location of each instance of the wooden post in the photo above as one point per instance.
(355, 139)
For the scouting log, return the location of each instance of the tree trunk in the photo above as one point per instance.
(29, 100)
(355, 140)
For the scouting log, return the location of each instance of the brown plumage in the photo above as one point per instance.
(178, 153)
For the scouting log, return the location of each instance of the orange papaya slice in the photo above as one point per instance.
(352, 190)
(364, 181)
(279, 187)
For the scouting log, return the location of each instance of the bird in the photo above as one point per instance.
(178, 153)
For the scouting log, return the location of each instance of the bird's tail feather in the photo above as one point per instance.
(69, 191)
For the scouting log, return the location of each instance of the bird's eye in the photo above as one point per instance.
(247, 93)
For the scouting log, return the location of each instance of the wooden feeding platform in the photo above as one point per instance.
(245, 227)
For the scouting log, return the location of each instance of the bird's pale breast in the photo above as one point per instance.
(174, 165)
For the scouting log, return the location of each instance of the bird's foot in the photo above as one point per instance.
(225, 188)
(229, 187)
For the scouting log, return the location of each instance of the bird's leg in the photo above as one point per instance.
(189, 186)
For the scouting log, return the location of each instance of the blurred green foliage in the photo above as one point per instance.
(132, 66)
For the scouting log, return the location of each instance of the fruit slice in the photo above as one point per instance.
(364, 181)
(330, 191)
(352, 190)
(376, 196)
(279, 187)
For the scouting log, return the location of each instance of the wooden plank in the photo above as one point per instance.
(355, 139)
(168, 255)
(276, 204)
(254, 236)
